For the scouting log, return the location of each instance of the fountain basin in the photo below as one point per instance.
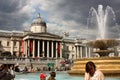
(103, 43)
(103, 46)
(110, 66)
(103, 51)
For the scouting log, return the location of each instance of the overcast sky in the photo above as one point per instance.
(60, 15)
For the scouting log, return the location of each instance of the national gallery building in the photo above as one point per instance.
(38, 43)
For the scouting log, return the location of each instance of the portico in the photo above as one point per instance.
(42, 45)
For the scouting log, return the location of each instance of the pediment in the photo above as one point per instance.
(44, 35)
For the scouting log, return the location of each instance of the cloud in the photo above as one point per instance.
(60, 15)
(11, 19)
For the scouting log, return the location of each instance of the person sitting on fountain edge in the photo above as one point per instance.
(91, 72)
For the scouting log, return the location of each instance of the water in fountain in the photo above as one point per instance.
(102, 19)
(103, 46)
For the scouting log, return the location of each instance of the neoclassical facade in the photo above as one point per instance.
(42, 45)
(38, 43)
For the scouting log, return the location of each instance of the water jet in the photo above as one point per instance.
(102, 46)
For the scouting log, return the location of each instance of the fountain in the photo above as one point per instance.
(103, 46)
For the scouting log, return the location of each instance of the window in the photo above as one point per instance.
(8, 43)
(67, 47)
(0, 43)
(20, 43)
(15, 43)
(72, 48)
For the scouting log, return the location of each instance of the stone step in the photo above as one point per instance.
(108, 65)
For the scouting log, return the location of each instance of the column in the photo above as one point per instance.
(25, 49)
(81, 51)
(89, 52)
(33, 49)
(38, 55)
(52, 49)
(77, 52)
(18, 48)
(11, 47)
(56, 50)
(86, 52)
(28, 48)
(43, 53)
(24, 53)
(48, 49)
(60, 50)
(116, 53)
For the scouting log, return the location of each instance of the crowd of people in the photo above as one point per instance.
(7, 72)
(91, 73)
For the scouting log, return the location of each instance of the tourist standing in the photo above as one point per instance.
(52, 76)
(91, 72)
(5, 74)
(11, 71)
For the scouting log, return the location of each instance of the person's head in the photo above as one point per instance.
(90, 68)
(2, 67)
(53, 74)
(42, 76)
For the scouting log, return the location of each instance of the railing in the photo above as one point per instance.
(28, 60)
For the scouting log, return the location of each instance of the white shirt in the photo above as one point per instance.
(98, 75)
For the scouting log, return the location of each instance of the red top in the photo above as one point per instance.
(42, 75)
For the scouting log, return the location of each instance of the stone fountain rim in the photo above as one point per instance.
(101, 51)
(100, 58)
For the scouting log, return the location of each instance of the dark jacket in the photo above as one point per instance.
(51, 78)
(6, 76)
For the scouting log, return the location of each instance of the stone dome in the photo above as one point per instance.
(38, 21)
(38, 25)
